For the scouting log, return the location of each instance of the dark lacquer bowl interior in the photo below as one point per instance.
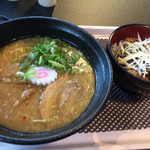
(123, 78)
(44, 26)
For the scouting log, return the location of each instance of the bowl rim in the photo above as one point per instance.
(75, 128)
(114, 59)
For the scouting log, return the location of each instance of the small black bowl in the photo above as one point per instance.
(97, 57)
(122, 77)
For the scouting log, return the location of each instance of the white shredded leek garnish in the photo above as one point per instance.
(135, 56)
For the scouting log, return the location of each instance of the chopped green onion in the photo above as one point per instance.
(51, 54)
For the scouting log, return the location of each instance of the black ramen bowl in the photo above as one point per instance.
(44, 26)
(122, 77)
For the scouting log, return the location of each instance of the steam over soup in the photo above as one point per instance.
(45, 84)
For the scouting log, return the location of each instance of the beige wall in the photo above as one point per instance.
(103, 12)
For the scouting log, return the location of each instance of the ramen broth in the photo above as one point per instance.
(32, 108)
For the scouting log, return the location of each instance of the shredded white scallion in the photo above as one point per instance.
(134, 55)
